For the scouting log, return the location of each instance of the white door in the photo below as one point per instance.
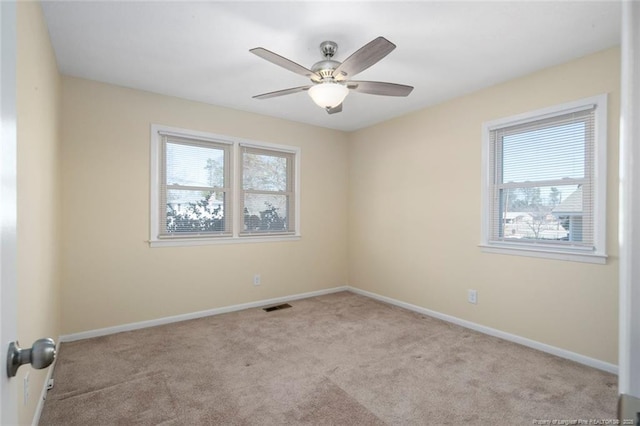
(8, 286)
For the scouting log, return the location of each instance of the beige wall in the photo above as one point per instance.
(38, 104)
(414, 217)
(112, 277)
(427, 255)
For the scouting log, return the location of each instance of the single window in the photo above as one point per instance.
(208, 189)
(544, 182)
(194, 191)
(268, 197)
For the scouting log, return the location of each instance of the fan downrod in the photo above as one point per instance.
(325, 67)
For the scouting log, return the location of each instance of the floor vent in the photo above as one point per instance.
(277, 307)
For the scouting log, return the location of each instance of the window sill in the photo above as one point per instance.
(556, 254)
(181, 242)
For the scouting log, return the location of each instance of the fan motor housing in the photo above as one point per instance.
(325, 67)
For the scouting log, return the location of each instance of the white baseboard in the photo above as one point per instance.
(563, 353)
(543, 347)
(43, 393)
(176, 318)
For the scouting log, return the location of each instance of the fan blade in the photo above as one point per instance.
(282, 92)
(364, 57)
(380, 88)
(334, 109)
(274, 58)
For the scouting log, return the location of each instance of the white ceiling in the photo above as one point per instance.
(200, 50)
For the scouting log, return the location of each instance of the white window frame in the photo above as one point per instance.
(235, 192)
(598, 254)
(288, 192)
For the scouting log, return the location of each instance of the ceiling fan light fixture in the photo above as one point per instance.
(331, 80)
(328, 94)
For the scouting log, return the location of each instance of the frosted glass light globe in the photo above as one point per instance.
(329, 94)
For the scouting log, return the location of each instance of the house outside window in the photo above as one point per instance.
(208, 189)
(544, 183)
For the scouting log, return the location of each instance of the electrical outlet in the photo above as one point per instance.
(256, 279)
(25, 381)
(472, 296)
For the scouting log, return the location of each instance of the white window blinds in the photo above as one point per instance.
(542, 181)
(194, 187)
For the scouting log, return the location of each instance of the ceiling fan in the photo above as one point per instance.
(331, 79)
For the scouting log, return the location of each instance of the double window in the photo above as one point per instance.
(208, 188)
(544, 183)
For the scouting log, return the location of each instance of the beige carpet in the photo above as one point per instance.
(340, 359)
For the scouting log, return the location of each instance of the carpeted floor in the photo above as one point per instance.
(339, 359)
